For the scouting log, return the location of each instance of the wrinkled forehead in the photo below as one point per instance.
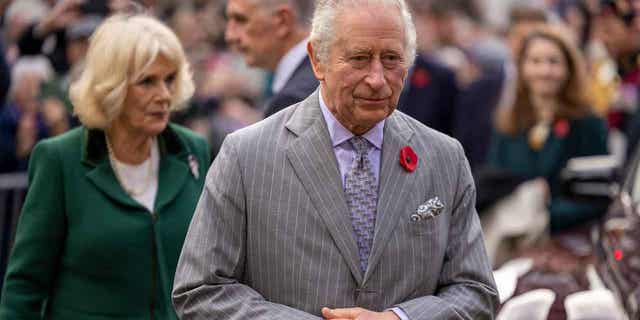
(371, 26)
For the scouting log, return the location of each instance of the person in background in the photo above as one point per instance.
(550, 122)
(109, 203)
(272, 35)
(5, 76)
(430, 93)
(24, 121)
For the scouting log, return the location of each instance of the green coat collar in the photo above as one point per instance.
(177, 164)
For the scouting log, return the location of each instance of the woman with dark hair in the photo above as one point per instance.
(550, 122)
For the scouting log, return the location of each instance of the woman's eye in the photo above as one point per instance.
(146, 81)
(170, 79)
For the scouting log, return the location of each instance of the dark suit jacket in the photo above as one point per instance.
(301, 84)
(5, 77)
(473, 115)
(430, 94)
(84, 247)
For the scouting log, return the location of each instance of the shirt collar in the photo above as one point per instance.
(339, 134)
(288, 64)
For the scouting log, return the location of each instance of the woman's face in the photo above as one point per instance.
(544, 68)
(146, 106)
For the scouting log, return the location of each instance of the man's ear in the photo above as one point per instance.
(286, 21)
(318, 67)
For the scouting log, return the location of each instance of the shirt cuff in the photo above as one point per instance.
(399, 313)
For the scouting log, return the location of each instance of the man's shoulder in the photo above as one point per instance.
(300, 85)
(303, 79)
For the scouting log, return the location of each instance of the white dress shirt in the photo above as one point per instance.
(288, 65)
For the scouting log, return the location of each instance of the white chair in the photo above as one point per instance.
(532, 305)
(593, 305)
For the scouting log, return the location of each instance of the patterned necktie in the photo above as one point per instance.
(362, 198)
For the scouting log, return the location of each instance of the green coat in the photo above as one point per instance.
(86, 250)
(586, 136)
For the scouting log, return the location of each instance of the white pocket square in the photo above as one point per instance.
(427, 210)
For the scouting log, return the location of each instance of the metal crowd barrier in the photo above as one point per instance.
(13, 188)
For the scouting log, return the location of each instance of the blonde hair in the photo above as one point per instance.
(120, 51)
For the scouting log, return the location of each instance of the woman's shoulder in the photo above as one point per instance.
(186, 133)
(65, 141)
(589, 121)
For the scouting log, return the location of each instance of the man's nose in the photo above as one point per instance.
(230, 32)
(375, 79)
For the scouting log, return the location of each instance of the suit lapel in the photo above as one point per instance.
(313, 160)
(393, 177)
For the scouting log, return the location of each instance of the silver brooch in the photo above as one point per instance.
(193, 165)
(429, 209)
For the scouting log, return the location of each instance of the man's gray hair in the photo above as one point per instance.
(323, 33)
(303, 8)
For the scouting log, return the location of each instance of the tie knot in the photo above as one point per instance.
(360, 144)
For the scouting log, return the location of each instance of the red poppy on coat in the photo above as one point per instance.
(420, 78)
(408, 159)
(562, 128)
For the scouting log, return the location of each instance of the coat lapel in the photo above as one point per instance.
(171, 178)
(101, 175)
(173, 171)
(313, 160)
(393, 177)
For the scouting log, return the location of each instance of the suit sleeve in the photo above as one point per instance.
(466, 289)
(208, 282)
(39, 239)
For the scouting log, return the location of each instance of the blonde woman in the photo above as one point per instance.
(109, 203)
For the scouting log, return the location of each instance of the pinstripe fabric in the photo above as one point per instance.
(271, 237)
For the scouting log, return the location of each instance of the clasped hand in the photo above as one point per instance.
(357, 314)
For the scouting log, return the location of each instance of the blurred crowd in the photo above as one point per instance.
(485, 74)
(523, 85)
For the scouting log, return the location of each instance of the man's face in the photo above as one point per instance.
(250, 30)
(363, 76)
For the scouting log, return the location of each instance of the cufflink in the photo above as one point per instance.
(432, 208)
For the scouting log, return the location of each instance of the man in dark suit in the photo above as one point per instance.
(430, 94)
(272, 35)
(431, 90)
(5, 77)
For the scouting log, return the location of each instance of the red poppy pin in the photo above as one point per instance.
(561, 128)
(420, 78)
(408, 159)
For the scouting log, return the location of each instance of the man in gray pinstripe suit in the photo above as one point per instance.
(339, 207)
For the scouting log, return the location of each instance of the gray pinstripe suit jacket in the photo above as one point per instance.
(271, 236)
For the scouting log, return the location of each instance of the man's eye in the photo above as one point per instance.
(391, 58)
